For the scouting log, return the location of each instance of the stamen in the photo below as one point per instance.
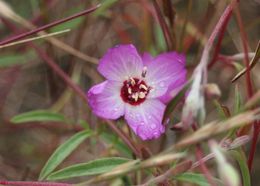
(135, 96)
(141, 95)
(134, 90)
(129, 90)
(142, 86)
(132, 81)
(144, 71)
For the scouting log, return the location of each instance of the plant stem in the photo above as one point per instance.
(125, 138)
(32, 183)
(165, 28)
(253, 146)
(23, 35)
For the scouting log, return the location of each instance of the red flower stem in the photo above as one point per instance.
(245, 48)
(32, 183)
(23, 35)
(220, 38)
(165, 29)
(253, 146)
(60, 72)
(249, 88)
(221, 23)
(202, 165)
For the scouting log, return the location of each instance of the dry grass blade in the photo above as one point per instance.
(251, 65)
(133, 166)
(34, 38)
(215, 127)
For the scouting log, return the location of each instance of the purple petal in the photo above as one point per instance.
(105, 100)
(146, 119)
(175, 87)
(163, 72)
(120, 62)
(147, 58)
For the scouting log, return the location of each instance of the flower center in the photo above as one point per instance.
(134, 91)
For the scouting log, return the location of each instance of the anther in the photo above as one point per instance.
(132, 81)
(144, 71)
(141, 95)
(129, 90)
(142, 86)
(135, 96)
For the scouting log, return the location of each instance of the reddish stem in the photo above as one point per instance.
(23, 35)
(245, 48)
(32, 183)
(165, 29)
(202, 165)
(253, 146)
(199, 156)
(249, 88)
(221, 36)
(60, 72)
(125, 138)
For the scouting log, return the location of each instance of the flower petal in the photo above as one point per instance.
(146, 119)
(163, 71)
(147, 58)
(105, 100)
(120, 62)
(175, 87)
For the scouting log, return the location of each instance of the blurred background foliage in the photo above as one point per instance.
(27, 83)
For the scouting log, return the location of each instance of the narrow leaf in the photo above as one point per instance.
(62, 152)
(194, 178)
(118, 144)
(241, 160)
(39, 115)
(173, 103)
(94, 167)
(8, 60)
(238, 101)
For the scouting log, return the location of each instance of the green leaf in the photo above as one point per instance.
(238, 101)
(118, 144)
(195, 178)
(241, 160)
(94, 167)
(198, 179)
(174, 102)
(62, 152)
(159, 37)
(11, 59)
(39, 115)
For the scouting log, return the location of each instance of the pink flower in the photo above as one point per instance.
(137, 88)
